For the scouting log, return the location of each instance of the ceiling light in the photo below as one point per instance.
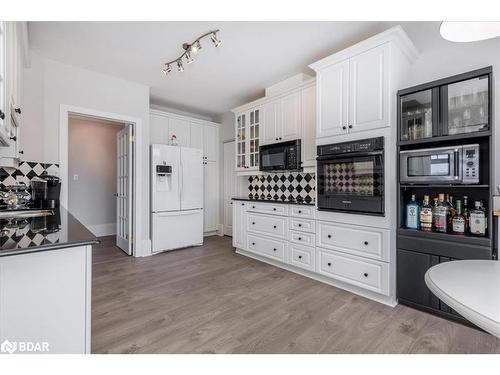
(469, 31)
(180, 67)
(216, 41)
(167, 69)
(190, 49)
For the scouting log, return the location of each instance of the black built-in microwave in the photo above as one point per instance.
(283, 156)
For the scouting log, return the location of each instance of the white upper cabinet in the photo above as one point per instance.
(210, 143)
(272, 122)
(308, 102)
(290, 119)
(180, 128)
(196, 135)
(333, 94)
(3, 88)
(356, 86)
(248, 134)
(369, 89)
(158, 125)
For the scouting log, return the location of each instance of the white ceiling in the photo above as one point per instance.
(253, 55)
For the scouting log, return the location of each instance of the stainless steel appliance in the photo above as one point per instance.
(452, 164)
(284, 156)
(350, 176)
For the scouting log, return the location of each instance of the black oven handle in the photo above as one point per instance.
(349, 155)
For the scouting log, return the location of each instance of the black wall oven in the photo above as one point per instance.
(350, 177)
(284, 156)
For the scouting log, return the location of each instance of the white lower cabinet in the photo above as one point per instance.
(239, 224)
(352, 257)
(267, 247)
(302, 256)
(211, 194)
(366, 273)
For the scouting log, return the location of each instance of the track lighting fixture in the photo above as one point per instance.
(190, 49)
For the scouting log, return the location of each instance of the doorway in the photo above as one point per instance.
(98, 167)
(231, 186)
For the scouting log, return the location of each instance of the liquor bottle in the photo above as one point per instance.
(451, 209)
(413, 214)
(465, 209)
(440, 215)
(459, 221)
(478, 222)
(426, 215)
(435, 205)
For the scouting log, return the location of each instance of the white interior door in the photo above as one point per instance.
(230, 186)
(124, 195)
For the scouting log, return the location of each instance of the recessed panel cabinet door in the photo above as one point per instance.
(210, 142)
(290, 118)
(239, 224)
(333, 91)
(271, 122)
(210, 192)
(196, 135)
(369, 89)
(181, 130)
(309, 126)
(158, 129)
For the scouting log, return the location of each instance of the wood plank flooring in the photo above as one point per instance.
(209, 299)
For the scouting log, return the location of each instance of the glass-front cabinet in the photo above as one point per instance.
(248, 126)
(466, 106)
(452, 106)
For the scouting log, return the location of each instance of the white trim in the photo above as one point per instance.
(136, 122)
(265, 99)
(395, 34)
(101, 230)
(386, 300)
(159, 112)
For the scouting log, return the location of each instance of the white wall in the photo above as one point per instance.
(92, 157)
(48, 84)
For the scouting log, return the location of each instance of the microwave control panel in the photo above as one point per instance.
(470, 163)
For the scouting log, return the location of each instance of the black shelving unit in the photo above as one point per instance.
(417, 251)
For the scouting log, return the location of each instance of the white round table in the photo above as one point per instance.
(470, 287)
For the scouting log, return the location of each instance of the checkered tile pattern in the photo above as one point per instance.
(24, 237)
(348, 178)
(295, 186)
(26, 171)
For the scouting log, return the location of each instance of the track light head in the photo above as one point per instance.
(195, 47)
(180, 67)
(189, 59)
(167, 69)
(217, 42)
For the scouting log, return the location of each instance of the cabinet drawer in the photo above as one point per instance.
(302, 238)
(302, 225)
(365, 273)
(275, 226)
(366, 242)
(268, 247)
(306, 212)
(302, 256)
(268, 208)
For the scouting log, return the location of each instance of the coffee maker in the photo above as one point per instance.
(46, 190)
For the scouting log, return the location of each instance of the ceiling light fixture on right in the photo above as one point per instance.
(469, 31)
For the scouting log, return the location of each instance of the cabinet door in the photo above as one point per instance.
(254, 117)
(239, 224)
(241, 141)
(369, 89)
(333, 97)
(290, 125)
(271, 122)
(181, 130)
(411, 268)
(210, 143)
(309, 126)
(196, 135)
(158, 126)
(3, 101)
(211, 196)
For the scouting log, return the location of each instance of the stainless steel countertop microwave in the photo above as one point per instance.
(452, 164)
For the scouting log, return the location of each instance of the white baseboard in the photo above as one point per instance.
(102, 229)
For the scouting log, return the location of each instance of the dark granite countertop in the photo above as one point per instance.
(310, 203)
(57, 231)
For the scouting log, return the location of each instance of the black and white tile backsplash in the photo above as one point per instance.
(25, 172)
(283, 186)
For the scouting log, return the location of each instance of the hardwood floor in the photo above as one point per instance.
(210, 300)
